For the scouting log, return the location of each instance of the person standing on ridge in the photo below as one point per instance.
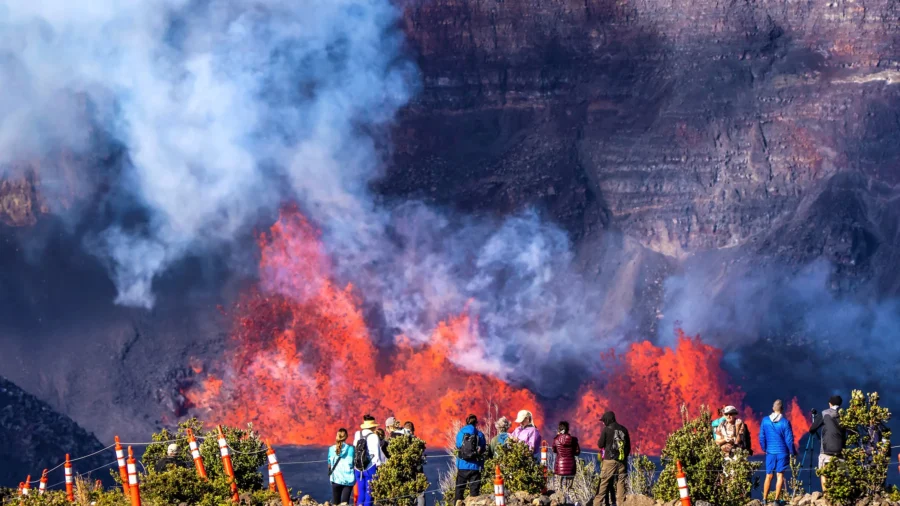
(616, 445)
(367, 457)
(471, 447)
(340, 469)
(566, 448)
(526, 432)
(776, 438)
(718, 421)
(392, 426)
(502, 425)
(832, 434)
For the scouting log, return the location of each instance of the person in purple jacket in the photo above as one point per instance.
(527, 433)
(776, 438)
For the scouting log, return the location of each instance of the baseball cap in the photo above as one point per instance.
(730, 410)
(523, 415)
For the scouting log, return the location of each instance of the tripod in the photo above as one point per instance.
(808, 451)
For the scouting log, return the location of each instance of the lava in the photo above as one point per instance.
(301, 363)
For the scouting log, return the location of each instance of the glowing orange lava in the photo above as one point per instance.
(301, 363)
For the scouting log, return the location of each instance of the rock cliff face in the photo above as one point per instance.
(688, 125)
(33, 437)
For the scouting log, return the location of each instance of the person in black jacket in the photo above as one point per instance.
(171, 459)
(832, 434)
(616, 445)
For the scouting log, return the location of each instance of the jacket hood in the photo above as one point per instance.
(608, 418)
(775, 417)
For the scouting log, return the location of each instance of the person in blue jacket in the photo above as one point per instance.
(471, 446)
(776, 438)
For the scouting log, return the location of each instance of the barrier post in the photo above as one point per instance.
(682, 485)
(21, 488)
(42, 486)
(27, 488)
(133, 484)
(70, 480)
(226, 463)
(279, 479)
(272, 487)
(195, 454)
(544, 453)
(499, 490)
(123, 469)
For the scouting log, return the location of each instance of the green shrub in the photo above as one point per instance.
(640, 474)
(400, 480)
(180, 485)
(862, 469)
(247, 452)
(521, 472)
(709, 477)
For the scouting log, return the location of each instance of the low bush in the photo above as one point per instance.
(401, 479)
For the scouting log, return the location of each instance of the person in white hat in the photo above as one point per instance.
(171, 459)
(729, 433)
(527, 432)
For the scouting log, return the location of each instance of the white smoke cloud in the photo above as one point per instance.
(227, 108)
(224, 106)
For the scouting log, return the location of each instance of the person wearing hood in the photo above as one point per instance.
(832, 435)
(527, 433)
(615, 443)
(776, 438)
(566, 448)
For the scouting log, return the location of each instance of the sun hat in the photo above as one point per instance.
(730, 410)
(368, 424)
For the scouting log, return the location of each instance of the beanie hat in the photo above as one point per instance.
(835, 400)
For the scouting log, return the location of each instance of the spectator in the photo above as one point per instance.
(392, 425)
(777, 441)
(502, 425)
(729, 433)
(382, 442)
(471, 447)
(527, 432)
(718, 421)
(409, 429)
(616, 445)
(832, 434)
(566, 448)
(366, 460)
(171, 459)
(340, 469)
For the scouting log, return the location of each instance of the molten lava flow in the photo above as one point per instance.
(649, 384)
(302, 363)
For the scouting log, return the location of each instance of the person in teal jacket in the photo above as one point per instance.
(776, 438)
(340, 469)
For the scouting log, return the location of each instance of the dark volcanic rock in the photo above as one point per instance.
(688, 125)
(33, 437)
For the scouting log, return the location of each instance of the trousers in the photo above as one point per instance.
(364, 486)
(613, 473)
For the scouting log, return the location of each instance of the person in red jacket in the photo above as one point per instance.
(566, 448)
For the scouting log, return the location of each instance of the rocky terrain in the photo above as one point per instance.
(34, 437)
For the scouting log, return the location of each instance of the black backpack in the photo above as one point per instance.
(470, 449)
(361, 459)
(744, 439)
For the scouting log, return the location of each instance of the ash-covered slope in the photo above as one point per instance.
(34, 437)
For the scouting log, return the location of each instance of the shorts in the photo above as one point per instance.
(824, 459)
(777, 463)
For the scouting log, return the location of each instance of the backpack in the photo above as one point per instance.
(470, 449)
(619, 444)
(361, 459)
